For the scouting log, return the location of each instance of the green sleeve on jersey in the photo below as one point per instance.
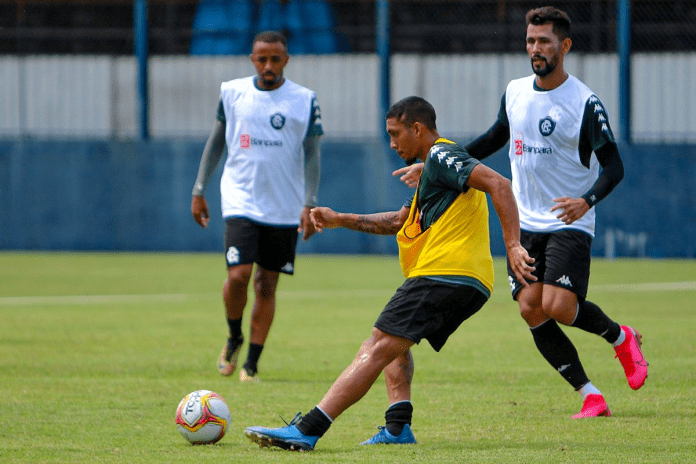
(446, 171)
(449, 166)
(221, 113)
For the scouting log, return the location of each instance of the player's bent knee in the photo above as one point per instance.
(532, 314)
(564, 314)
(391, 346)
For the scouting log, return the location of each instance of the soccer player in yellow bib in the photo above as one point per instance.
(444, 250)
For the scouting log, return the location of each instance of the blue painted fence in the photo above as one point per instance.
(135, 196)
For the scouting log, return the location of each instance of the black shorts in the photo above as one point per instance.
(426, 308)
(271, 247)
(561, 258)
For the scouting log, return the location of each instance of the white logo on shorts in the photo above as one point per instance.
(565, 280)
(288, 268)
(232, 255)
(512, 283)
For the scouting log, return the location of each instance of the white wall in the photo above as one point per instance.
(664, 97)
(96, 97)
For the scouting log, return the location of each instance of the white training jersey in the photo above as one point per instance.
(545, 130)
(263, 177)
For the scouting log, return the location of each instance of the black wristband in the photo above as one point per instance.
(590, 199)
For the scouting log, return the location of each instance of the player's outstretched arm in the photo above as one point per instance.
(498, 187)
(379, 223)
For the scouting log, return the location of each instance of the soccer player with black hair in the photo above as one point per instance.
(444, 251)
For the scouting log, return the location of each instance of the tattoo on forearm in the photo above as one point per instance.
(379, 223)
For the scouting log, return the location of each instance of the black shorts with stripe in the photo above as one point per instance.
(426, 308)
(561, 258)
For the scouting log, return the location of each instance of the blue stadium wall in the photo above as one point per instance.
(135, 196)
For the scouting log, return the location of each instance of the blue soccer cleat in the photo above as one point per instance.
(383, 437)
(287, 438)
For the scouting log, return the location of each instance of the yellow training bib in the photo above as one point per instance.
(457, 243)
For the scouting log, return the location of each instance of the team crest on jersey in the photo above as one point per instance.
(277, 121)
(546, 126)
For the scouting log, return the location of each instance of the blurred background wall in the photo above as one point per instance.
(86, 96)
(75, 172)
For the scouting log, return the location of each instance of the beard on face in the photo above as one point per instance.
(270, 79)
(544, 70)
(410, 161)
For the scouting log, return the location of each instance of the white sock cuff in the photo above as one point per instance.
(621, 339)
(546, 321)
(399, 402)
(589, 389)
(327, 416)
(577, 312)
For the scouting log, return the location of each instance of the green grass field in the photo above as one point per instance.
(97, 349)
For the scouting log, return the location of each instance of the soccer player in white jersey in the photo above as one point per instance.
(554, 124)
(272, 129)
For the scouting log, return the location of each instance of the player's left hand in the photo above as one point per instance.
(306, 227)
(572, 209)
(410, 175)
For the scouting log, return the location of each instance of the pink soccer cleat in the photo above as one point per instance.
(593, 406)
(631, 357)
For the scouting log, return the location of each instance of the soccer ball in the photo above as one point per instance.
(202, 417)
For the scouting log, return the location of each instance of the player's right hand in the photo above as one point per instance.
(521, 265)
(410, 175)
(199, 210)
(306, 228)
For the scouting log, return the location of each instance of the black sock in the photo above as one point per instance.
(398, 415)
(558, 350)
(592, 319)
(235, 326)
(253, 358)
(314, 423)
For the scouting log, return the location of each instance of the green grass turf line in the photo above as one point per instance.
(97, 349)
